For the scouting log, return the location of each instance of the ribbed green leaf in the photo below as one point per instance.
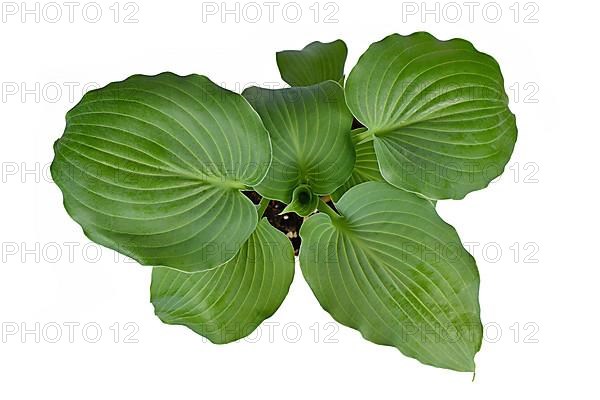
(310, 132)
(437, 112)
(229, 302)
(391, 268)
(153, 166)
(315, 63)
(365, 167)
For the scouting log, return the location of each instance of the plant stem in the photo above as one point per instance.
(360, 135)
(262, 206)
(324, 208)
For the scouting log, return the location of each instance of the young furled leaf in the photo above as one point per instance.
(303, 203)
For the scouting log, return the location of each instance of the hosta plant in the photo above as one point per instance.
(188, 177)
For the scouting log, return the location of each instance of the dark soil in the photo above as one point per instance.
(356, 124)
(288, 223)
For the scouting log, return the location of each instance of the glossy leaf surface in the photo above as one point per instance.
(394, 270)
(437, 113)
(153, 166)
(366, 168)
(227, 303)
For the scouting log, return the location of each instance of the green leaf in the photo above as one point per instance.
(303, 203)
(365, 168)
(315, 63)
(229, 302)
(310, 132)
(437, 113)
(393, 269)
(153, 166)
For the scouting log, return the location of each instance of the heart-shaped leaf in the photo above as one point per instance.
(310, 132)
(365, 169)
(229, 302)
(153, 167)
(315, 63)
(391, 268)
(436, 111)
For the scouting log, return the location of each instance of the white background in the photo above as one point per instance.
(533, 233)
